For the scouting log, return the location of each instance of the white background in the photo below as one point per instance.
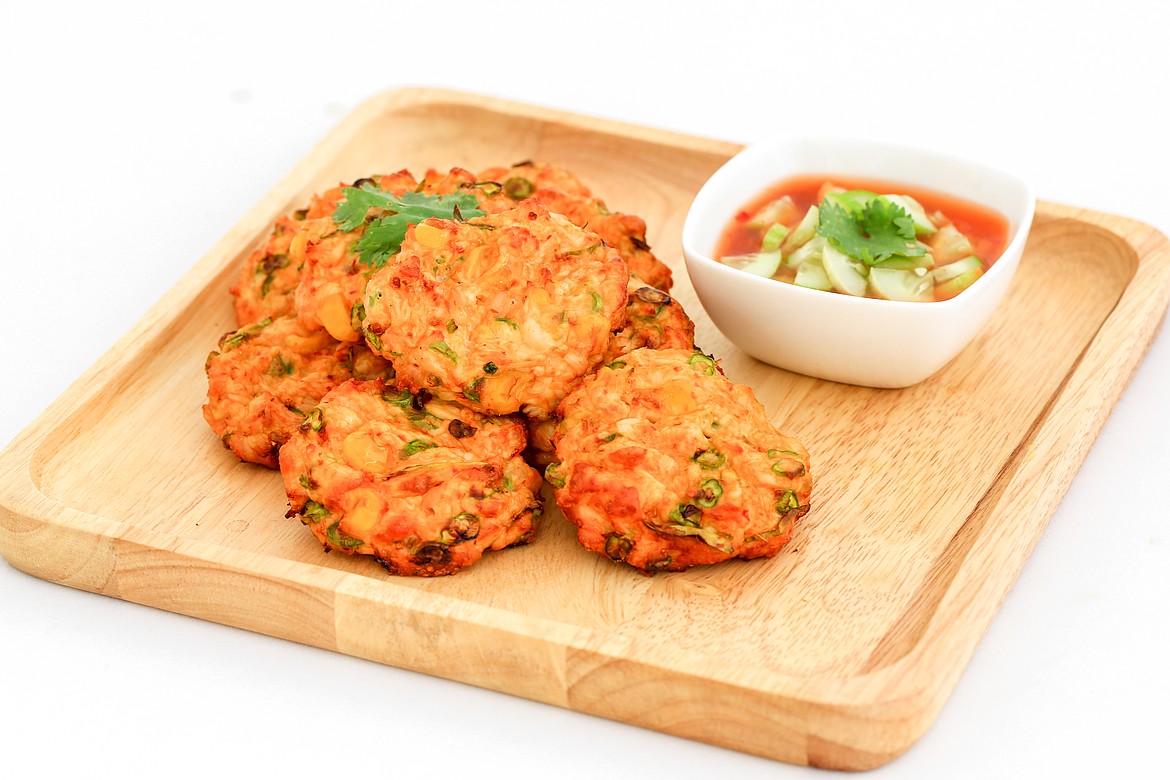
(133, 137)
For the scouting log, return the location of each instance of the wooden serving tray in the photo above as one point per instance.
(838, 653)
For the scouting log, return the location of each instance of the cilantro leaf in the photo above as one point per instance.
(872, 232)
(356, 203)
(380, 242)
(384, 234)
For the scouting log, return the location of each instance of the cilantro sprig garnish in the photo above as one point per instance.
(383, 235)
(868, 227)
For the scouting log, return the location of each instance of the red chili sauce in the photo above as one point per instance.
(986, 229)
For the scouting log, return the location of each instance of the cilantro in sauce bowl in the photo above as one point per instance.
(864, 238)
(924, 246)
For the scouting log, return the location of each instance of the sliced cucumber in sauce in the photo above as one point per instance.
(810, 250)
(948, 268)
(947, 244)
(780, 210)
(846, 274)
(951, 287)
(922, 224)
(773, 238)
(804, 232)
(812, 274)
(758, 263)
(904, 263)
(961, 266)
(895, 284)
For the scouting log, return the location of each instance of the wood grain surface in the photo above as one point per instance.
(838, 653)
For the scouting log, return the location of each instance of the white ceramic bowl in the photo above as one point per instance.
(861, 341)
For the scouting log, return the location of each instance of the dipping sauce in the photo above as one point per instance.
(865, 238)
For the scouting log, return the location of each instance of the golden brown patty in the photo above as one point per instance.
(563, 193)
(654, 320)
(268, 279)
(664, 463)
(269, 276)
(423, 485)
(332, 276)
(525, 179)
(504, 311)
(265, 377)
(307, 265)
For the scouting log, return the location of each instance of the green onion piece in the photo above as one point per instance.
(681, 518)
(684, 521)
(417, 445)
(442, 348)
(461, 527)
(783, 527)
(584, 250)
(518, 188)
(713, 537)
(490, 368)
(315, 419)
(508, 322)
(709, 492)
(551, 473)
(788, 467)
(787, 502)
(399, 398)
(341, 540)
(596, 300)
(488, 188)
(280, 367)
(709, 460)
(422, 420)
(314, 512)
(243, 334)
(269, 266)
(357, 313)
(617, 547)
(704, 364)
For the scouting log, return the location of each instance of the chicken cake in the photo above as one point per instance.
(523, 180)
(653, 319)
(337, 258)
(309, 264)
(265, 377)
(423, 485)
(390, 332)
(503, 312)
(663, 463)
(563, 193)
(268, 279)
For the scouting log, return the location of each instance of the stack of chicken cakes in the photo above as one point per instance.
(409, 385)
